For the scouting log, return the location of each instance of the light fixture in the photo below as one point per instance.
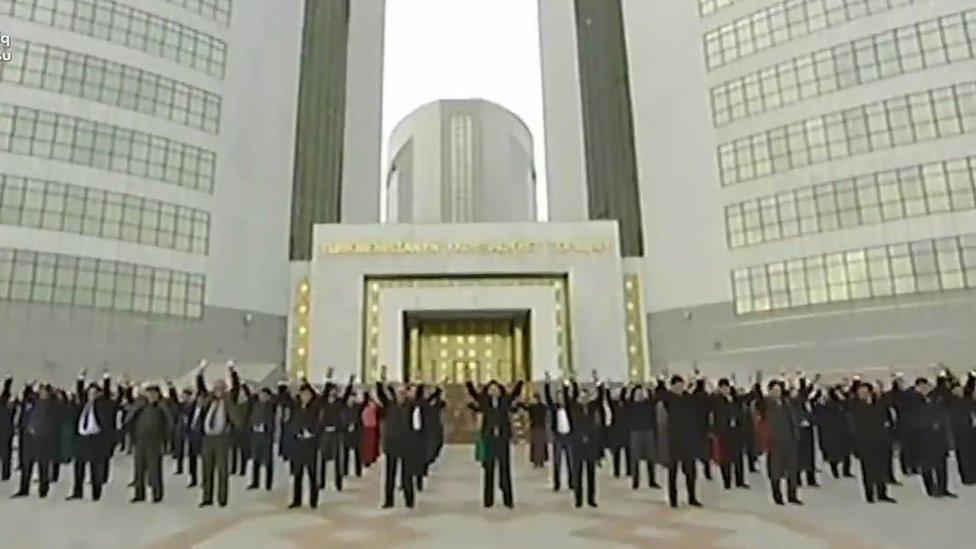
(301, 351)
(631, 327)
(443, 353)
(302, 309)
(630, 305)
(303, 288)
(633, 349)
(302, 330)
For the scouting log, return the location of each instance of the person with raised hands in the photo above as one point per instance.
(221, 413)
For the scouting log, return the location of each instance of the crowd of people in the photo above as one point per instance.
(680, 425)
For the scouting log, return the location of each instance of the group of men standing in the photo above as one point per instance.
(681, 426)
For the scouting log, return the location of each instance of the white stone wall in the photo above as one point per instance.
(595, 293)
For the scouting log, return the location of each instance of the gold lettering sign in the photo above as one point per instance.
(470, 248)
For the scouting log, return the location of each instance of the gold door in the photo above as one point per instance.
(452, 351)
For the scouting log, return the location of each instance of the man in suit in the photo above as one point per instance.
(783, 423)
(39, 425)
(561, 424)
(91, 439)
(685, 439)
(872, 441)
(496, 405)
(150, 424)
(931, 422)
(221, 413)
(331, 407)
(7, 409)
(402, 436)
(728, 424)
(260, 427)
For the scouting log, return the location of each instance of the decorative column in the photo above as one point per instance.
(634, 322)
(303, 300)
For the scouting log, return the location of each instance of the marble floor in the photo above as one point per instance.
(449, 515)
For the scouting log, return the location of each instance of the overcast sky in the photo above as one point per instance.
(456, 49)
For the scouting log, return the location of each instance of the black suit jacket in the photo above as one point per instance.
(496, 421)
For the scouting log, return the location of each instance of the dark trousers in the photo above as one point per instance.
(44, 474)
(96, 466)
(301, 468)
(148, 469)
(582, 470)
(351, 445)
(560, 449)
(6, 453)
(617, 452)
(262, 456)
(215, 452)
(737, 466)
(841, 467)
(500, 456)
(192, 462)
(935, 478)
(688, 467)
(395, 461)
(635, 474)
(873, 475)
(179, 451)
(336, 467)
(791, 488)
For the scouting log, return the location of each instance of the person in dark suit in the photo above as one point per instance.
(303, 430)
(560, 421)
(352, 435)
(221, 413)
(588, 444)
(640, 417)
(496, 405)
(91, 438)
(39, 421)
(685, 439)
(331, 408)
(191, 413)
(931, 422)
(783, 423)
(261, 428)
(962, 419)
(432, 406)
(834, 430)
(151, 424)
(7, 411)
(869, 429)
(402, 439)
(728, 424)
(616, 435)
(802, 399)
(177, 404)
(538, 434)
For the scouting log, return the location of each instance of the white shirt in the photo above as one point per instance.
(417, 422)
(607, 414)
(562, 421)
(215, 422)
(87, 421)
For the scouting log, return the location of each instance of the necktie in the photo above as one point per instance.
(212, 418)
(87, 422)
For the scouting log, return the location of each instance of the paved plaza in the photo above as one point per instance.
(449, 515)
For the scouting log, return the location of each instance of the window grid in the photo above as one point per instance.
(890, 123)
(215, 10)
(915, 191)
(50, 135)
(708, 7)
(945, 40)
(127, 26)
(38, 277)
(55, 206)
(784, 22)
(895, 269)
(70, 73)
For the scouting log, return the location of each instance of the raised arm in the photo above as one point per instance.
(381, 394)
(201, 384)
(80, 387)
(970, 386)
(517, 389)
(435, 396)
(547, 394)
(472, 392)
(574, 391)
(8, 382)
(235, 384)
(347, 394)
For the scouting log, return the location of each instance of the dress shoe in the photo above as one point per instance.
(949, 495)
(795, 501)
(294, 505)
(742, 486)
(252, 486)
(695, 503)
(592, 504)
(888, 499)
(72, 497)
(654, 485)
(137, 500)
(206, 504)
(19, 495)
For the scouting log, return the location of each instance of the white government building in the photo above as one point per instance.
(791, 182)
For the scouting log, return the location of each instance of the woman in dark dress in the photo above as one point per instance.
(538, 435)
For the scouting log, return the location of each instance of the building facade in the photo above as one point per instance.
(146, 150)
(460, 161)
(807, 177)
